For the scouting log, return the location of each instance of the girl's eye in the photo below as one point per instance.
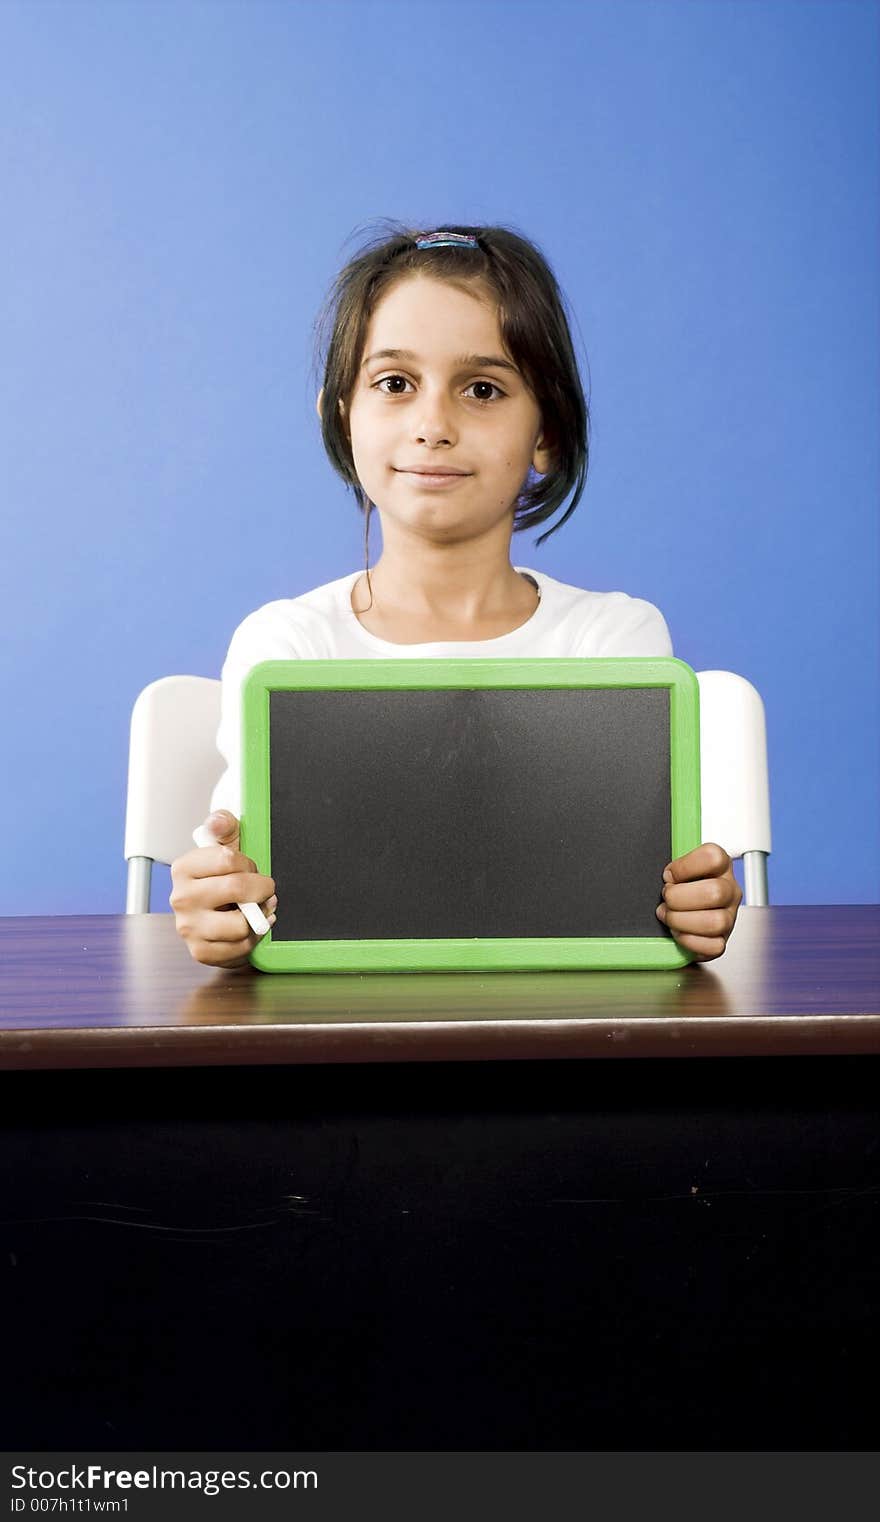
(490, 384)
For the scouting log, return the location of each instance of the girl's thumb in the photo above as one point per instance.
(223, 825)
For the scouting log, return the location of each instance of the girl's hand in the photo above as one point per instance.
(209, 882)
(702, 899)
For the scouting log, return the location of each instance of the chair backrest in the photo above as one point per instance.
(174, 766)
(734, 777)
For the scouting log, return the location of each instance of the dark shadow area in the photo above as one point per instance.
(577, 1255)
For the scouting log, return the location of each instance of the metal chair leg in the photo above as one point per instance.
(137, 898)
(755, 892)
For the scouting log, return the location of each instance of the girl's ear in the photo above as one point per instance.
(320, 406)
(542, 459)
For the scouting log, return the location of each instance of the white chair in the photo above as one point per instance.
(173, 768)
(174, 765)
(734, 776)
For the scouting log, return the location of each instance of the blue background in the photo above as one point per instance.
(180, 183)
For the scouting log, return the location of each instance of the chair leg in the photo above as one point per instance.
(137, 899)
(755, 893)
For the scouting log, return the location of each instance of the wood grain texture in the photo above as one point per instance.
(122, 991)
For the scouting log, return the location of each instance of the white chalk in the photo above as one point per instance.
(252, 912)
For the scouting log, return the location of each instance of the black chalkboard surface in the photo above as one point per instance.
(462, 814)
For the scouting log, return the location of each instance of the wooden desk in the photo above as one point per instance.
(122, 990)
(229, 1233)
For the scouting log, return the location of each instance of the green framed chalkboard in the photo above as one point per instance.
(457, 815)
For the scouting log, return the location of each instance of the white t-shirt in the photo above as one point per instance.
(322, 625)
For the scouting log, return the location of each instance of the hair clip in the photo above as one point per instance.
(446, 240)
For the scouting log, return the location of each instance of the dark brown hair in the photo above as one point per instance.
(534, 328)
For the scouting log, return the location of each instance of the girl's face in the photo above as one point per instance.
(440, 406)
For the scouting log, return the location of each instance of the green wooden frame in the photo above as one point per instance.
(469, 955)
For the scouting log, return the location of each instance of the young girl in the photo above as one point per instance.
(451, 402)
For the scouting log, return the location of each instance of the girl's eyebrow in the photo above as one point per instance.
(466, 361)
